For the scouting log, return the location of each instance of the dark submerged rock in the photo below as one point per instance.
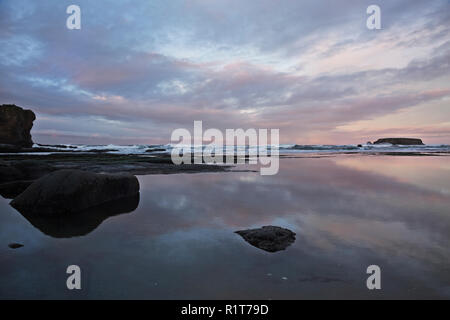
(402, 141)
(15, 125)
(32, 170)
(23, 170)
(11, 166)
(101, 150)
(70, 191)
(9, 173)
(155, 150)
(268, 238)
(15, 245)
(10, 190)
(9, 148)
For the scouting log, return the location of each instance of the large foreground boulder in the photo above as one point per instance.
(268, 238)
(403, 141)
(15, 125)
(70, 191)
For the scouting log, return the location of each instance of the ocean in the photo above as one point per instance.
(240, 150)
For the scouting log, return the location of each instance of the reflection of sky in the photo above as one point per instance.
(407, 169)
(179, 243)
(311, 69)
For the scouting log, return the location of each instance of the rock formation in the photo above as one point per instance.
(403, 141)
(71, 191)
(15, 125)
(268, 238)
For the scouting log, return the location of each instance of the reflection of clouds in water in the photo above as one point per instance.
(337, 202)
(388, 238)
(250, 179)
(171, 202)
(429, 172)
(320, 188)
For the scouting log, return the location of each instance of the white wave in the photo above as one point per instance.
(240, 150)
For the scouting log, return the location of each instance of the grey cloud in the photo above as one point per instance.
(118, 53)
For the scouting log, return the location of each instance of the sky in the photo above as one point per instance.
(139, 69)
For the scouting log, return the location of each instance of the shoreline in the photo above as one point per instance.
(160, 163)
(17, 171)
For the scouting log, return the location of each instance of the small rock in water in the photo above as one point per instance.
(284, 278)
(268, 238)
(15, 245)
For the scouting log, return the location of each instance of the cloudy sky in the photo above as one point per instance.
(138, 69)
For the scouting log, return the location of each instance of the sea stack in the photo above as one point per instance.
(15, 126)
(402, 141)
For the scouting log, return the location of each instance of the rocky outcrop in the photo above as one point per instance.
(268, 238)
(402, 141)
(15, 125)
(23, 170)
(70, 191)
(24, 167)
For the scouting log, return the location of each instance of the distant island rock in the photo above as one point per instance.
(268, 238)
(69, 191)
(156, 150)
(402, 141)
(15, 126)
